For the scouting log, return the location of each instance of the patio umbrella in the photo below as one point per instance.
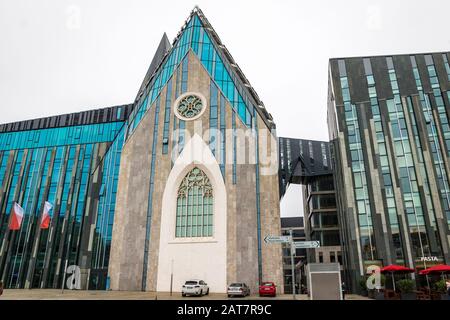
(393, 268)
(442, 268)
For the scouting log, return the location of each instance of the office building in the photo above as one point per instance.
(297, 227)
(388, 122)
(309, 163)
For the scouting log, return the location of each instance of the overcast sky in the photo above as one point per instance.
(60, 56)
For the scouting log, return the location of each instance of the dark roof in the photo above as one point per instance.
(103, 115)
(304, 164)
(163, 48)
(292, 222)
(389, 55)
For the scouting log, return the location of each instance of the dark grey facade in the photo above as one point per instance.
(297, 225)
(309, 163)
(300, 160)
(388, 122)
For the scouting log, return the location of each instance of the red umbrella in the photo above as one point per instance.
(442, 268)
(393, 268)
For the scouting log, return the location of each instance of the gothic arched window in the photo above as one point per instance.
(195, 206)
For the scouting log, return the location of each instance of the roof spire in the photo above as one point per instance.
(197, 10)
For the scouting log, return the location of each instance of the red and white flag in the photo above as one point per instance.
(16, 217)
(45, 220)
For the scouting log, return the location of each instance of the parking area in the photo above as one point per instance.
(51, 294)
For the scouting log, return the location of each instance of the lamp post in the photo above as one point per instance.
(171, 278)
(292, 263)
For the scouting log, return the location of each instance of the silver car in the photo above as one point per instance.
(238, 289)
(194, 288)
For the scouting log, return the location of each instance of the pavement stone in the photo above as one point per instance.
(57, 294)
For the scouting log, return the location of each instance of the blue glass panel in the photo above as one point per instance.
(213, 118)
(233, 120)
(223, 127)
(194, 36)
(167, 110)
(104, 132)
(107, 200)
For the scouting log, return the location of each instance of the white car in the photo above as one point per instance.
(194, 288)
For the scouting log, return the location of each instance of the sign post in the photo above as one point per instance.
(292, 263)
(294, 245)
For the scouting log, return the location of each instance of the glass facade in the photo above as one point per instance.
(73, 162)
(405, 167)
(381, 148)
(358, 168)
(150, 193)
(59, 136)
(107, 203)
(167, 110)
(392, 122)
(195, 37)
(213, 118)
(56, 165)
(223, 137)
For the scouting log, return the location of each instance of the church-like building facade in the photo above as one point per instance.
(181, 184)
(194, 199)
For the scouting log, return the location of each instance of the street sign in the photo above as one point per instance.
(277, 239)
(288, 239)
(306, 244)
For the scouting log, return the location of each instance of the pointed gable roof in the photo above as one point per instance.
(163, 48)
(235, 69)
(198, 35)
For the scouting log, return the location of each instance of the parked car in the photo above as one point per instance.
(268, 289)
(194, 288)
(238, 289)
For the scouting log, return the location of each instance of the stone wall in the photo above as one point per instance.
(126, 263)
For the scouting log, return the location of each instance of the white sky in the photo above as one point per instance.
(60, 56)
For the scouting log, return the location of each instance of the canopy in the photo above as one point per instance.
(393, 268)
(442, 268)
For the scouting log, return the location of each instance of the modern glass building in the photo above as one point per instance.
(388, 119)
(309, 163)
(297, 226)
(165, 183)
(72, 161)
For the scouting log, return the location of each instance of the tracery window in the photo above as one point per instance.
(194, 216)
(190, 106)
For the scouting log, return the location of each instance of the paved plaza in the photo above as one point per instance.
(52, 294)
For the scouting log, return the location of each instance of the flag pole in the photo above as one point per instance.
(64, 277)
(69, 239)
